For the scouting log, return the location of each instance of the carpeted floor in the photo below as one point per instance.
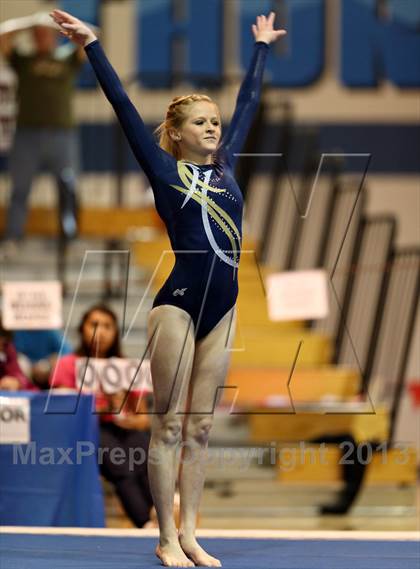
(26, 551)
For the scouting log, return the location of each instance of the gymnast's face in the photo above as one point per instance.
(200, 132)
(99, 332)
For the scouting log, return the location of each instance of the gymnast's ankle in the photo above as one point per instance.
(168, 538)
(186, 532)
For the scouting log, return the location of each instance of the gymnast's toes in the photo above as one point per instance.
(171, 555)
(195, 552)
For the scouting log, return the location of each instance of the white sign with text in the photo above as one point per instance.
(32, 305)
(297, 295)
(15, 420)
(112, 375)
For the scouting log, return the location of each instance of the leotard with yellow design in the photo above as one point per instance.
(201, 206)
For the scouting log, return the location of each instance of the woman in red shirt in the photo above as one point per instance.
(125, 430)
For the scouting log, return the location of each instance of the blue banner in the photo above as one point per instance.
(197, 35)
(380, 46)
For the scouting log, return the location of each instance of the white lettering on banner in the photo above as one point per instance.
(297, 295)
(15, 419)
(32, 305)
(112, 375)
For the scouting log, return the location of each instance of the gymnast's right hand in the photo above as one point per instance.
(72, 28)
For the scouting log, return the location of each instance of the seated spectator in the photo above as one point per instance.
(11, 376)
(99, 338)
(40, 350)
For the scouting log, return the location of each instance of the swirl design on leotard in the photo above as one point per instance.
(197, 189)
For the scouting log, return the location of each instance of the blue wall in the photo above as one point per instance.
(394, 148)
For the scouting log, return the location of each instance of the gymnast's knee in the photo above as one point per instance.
(167, 429)
(198, 429)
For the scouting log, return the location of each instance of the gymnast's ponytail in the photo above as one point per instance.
(176, 114)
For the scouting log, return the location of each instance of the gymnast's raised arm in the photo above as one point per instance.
(250, 91)
(146, 150)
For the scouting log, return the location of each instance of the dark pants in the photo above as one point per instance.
(130, 481)
(354, 469)
(55, 150)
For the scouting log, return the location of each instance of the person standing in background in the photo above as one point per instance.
(45, 136)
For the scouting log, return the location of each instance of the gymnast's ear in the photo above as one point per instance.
(175, 136)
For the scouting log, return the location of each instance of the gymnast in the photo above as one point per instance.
(192, 322)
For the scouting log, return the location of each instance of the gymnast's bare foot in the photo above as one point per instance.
(195, 552)
(171, 555)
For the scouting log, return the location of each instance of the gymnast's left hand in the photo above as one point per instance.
(264, 30)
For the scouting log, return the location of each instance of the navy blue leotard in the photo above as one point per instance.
(201, 206)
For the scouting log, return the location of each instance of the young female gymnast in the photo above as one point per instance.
(192, 322)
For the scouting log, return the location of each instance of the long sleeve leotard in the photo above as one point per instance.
(201, 205)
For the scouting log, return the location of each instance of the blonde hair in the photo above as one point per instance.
(176, 114)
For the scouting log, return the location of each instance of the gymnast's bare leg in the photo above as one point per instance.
(211, 361)
(184, 372)
(171, 341)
